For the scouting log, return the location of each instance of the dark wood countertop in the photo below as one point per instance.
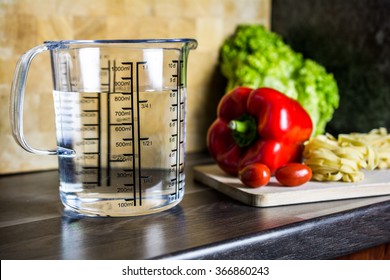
(205, 225)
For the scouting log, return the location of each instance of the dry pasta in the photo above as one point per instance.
(343, 159)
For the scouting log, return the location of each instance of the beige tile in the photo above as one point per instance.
(53, 28)
(8, 7)
(209, 33)
(200, 67)
(10, 25)
(265, 11)
(8, 35)
(122, 27)
(4, 115)
(15, 159)
(35, 7)
(202, 8)
(129, 8)
(138, 27)
(167, 8)
(89, 28)
(201, 113)
(80, 7)
(182, 28)
(7, 67)
(244, 10)
(27, 29)
(153, 27)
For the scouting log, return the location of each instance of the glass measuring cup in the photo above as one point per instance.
(120, 111)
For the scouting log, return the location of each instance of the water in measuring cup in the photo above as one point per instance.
(129, 151)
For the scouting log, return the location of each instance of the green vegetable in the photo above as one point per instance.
(255, 57)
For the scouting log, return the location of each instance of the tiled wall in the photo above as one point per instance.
(27, 23)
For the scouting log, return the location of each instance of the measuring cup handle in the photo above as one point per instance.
(17, 99)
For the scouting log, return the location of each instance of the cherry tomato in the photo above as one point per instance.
(254, 175)
(293, 174)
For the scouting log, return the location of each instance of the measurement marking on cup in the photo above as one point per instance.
(121, 124)
(125, 97)
(177, 77)
(128, 126)
(143, 64)
(128, 202)
(131, 101)
(107, 85)
(90, 97)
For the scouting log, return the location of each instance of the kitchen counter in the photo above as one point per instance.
(205, 225)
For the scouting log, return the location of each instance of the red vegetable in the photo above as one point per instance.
(257, 126)
(254, 175)
(293, 174)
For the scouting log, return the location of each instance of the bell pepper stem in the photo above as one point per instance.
(244, 130)
(239, 126)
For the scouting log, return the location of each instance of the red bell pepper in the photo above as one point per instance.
(258, 126)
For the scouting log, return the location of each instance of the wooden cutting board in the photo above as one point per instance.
(375, 183)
